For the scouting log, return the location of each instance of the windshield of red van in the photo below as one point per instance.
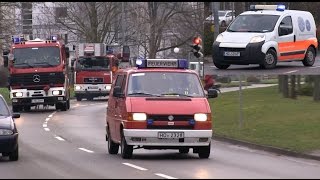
(93, 63)
(36, 57)
(164, 84)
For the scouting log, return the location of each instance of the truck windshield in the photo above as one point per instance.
(93, 63)
(164, 84)
(36, 57)
(254, 23)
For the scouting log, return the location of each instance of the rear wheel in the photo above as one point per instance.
(27, 108)
(270, 60)
(68, 104)
(89, 98)
(113, 148)
(14, 155)
(204, 152)
(126, 150)
(222, 66)
(16, 108)
(184, 150)
(310, 57)
(79, 98)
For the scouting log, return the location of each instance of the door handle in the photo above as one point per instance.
(294, 38)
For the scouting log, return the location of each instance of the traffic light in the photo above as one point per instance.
(197, 47)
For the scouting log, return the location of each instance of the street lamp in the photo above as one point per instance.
(176, 50)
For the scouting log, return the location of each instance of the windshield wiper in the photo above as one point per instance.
(24, 63)
(44, 63)
(144, 94)
(175, 94)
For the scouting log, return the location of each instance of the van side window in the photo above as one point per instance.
(285, 26)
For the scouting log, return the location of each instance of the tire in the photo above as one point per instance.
(64, 106)
(221, 66)
(14, 155)
(16, 108)
(126, 150)
(204, 152)
(90, 98)
(223, 24)
(68, 104)
(27, 108)
(270, 60)
(78, 98)
(310, 57)
(113, 148)
(184, 150)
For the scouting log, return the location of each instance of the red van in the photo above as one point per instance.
(160, 104)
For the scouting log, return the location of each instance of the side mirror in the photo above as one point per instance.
(16, 115)
(212, 93)
(117, 92)
(67, 52)
(5, 58)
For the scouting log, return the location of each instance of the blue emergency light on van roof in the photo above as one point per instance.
(17, 39)
(54, 37)
(280, 7)
(162, 63)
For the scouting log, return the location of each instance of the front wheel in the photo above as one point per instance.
(204, 152)
(310, 57)
(126, 150)
(184, 150)
(222, 66)
(16, 108)
(14, 155)
(270, 60)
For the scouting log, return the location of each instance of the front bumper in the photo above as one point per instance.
(148, 137)
(8, 143)
(35, 97)
(251, 54)
(92, 89)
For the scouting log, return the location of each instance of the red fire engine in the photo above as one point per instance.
(38, 73)
(93, 71)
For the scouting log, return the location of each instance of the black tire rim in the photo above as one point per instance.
(269, 59)
(310, 56)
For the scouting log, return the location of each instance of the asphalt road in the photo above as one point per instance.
(72, 144)
(281, 68)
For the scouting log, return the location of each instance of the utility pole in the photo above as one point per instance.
(240, 102)
(215, 8)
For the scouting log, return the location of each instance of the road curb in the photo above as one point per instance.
(265, 148)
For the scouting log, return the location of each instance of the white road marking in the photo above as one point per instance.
(46, 129)
(134, 166)
(50, 115)
(290, 72)
(59, 138)
(44, 125)
(165, 176)
(303, 162)
(86, 150)
(47, 119)
(314, 67)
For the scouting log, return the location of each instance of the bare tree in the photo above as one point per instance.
(293, 93)
(316, 90)
(285, 86)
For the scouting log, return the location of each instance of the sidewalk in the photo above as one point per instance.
(314, 155)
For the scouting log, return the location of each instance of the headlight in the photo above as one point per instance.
(219, 38)
(18, 94)
(78, 88)
(139, 116)
(108, 87)
(5, 132)
(56, 92)
(257, 39)
(200, 117)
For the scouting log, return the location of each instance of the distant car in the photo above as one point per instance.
(225, 17)
(8, 132)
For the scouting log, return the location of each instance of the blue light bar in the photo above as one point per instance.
(281, 7)
(54, 37)
(162, 63)
(17, 39)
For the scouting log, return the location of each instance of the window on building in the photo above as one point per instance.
(61, 12)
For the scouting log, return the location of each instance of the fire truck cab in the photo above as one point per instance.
(160, 104)
(93, 72)
(38, 73)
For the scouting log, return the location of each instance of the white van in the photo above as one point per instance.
(265, 35)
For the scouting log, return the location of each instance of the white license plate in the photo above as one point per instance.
(93, 87)
(230, 53)
(37, 100)
(170, 135)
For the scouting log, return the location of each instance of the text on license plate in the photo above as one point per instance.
(170, 135)
(93, 87)
(37, 100)
(231, 53)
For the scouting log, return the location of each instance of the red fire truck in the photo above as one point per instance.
(93, 71)
(38, 73)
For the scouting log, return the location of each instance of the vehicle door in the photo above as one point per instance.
(121, 107)
(112, 111)
(287, 40)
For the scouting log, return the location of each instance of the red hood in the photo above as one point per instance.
(168, 105)
(93, 74)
